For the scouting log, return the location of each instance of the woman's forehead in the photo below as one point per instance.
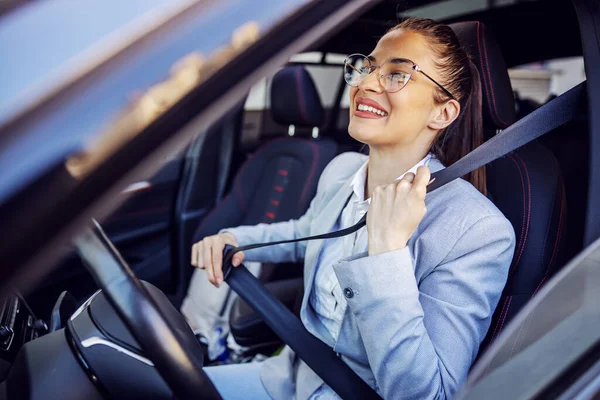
(402, 44)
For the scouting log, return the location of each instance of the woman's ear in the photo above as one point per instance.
(444, 114)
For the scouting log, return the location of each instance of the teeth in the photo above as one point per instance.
(363, 107)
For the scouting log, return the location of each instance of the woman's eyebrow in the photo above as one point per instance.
(399, 60)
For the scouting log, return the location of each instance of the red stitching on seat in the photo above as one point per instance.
(270, 215)
(490, 76)
(275, 203)
(500, 318)
(522, 238)
(282, 172)
(528, 206)
(505, 314)
(278, 188)
(558, 235)
(528, 199)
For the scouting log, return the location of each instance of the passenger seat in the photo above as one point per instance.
(526, 185)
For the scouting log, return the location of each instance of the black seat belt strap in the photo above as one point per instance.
(546, 118)
(316, 354)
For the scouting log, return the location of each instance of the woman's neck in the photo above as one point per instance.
(385, 165)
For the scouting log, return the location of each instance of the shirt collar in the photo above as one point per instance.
(358, 181)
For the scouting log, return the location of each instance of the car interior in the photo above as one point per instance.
(263, 166)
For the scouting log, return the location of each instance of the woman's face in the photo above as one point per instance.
(408, 113)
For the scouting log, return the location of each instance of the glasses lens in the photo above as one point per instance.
(356, 68)
(395, 74)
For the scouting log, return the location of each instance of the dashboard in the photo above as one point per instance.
(18, 325)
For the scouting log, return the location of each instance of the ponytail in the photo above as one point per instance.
(465, 133)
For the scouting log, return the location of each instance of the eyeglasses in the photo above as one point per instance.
(394, 72)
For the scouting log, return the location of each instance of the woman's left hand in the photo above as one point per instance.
(396, 210)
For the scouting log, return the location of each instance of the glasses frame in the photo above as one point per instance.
(373, 67)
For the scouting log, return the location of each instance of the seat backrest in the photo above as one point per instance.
(526, 185)
(279, 180)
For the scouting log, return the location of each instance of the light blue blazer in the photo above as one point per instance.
(416, 316)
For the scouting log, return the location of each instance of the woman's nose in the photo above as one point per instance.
(371, 83)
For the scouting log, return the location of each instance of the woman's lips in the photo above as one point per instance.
(367, 114)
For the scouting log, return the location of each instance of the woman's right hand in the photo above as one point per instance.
(208, 254)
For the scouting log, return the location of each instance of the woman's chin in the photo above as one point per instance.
(362, 134)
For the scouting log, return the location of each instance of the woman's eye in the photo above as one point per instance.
(397, 76)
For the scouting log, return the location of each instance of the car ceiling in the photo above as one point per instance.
(542, 30)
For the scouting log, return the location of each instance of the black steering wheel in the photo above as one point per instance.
(159, 328)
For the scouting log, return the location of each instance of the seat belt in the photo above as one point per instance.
(318, 355)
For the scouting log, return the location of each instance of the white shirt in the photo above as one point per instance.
(326, 297)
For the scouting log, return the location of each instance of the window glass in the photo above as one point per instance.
(542, 80)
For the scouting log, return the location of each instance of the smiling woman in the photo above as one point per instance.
(406, 301)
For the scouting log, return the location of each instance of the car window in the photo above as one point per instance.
(543, 80)
(556, 328)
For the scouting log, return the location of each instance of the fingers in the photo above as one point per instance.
(208, 265)
(409, 177)
(208, 254)
(423, 176)
(238, 258)
(421, 181)
(194, 258)
(217, 261)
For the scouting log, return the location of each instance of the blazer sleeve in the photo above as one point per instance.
(421, 337)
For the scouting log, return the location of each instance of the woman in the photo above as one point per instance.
(407, 301)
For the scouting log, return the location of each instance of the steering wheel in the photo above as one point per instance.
(159, 328)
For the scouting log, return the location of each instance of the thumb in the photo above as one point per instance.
(237, 259)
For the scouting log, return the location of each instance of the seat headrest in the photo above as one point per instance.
(295, 100)
(498, 100)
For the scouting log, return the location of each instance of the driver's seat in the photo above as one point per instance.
(526, 185)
